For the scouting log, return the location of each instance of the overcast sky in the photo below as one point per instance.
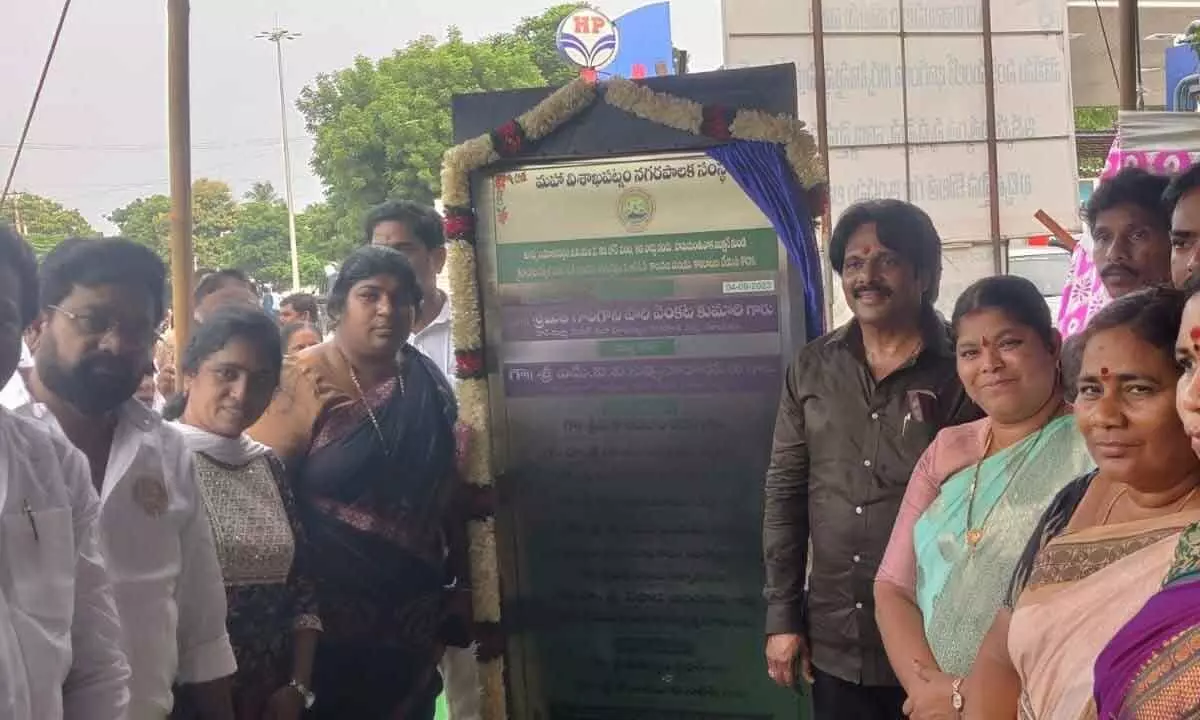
(99, 137)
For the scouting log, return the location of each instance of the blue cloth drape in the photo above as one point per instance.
(762, 171)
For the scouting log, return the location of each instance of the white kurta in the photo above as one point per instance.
(60, 640)
(158, 544)
(435, 342)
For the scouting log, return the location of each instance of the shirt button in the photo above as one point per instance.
(858, 558)
(874, 416)
(858, 510)
(866, 463)
(858, 606)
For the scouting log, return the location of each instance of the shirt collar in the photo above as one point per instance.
(132, 412)
(935, 335)
(443, 318)
(140, 416)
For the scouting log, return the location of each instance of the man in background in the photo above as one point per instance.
(1182, 201)
(299, 307)
(416, 231)
(1131, 232)
(221, 288)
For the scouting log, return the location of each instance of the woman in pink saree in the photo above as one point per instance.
(1151, 667)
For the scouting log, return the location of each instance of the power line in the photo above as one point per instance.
(37, 95)
(152, 147)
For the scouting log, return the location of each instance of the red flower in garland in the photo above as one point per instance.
(715, 122)
(459, 226)
(508, 139)
(468, 363)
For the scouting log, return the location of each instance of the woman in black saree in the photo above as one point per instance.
(365, 426)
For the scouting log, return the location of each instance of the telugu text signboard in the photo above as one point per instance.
(906, 102)
(639, 318)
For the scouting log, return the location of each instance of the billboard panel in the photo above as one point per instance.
(907, 114)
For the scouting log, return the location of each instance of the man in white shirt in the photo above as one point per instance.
(60, 639)
(416, 231)
(101, 300)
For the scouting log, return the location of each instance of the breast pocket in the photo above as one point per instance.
(39, 548)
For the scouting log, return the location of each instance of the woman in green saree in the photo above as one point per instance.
(976, 494)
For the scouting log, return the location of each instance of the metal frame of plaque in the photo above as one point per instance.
(638, 312)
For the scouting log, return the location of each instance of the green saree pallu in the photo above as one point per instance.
(968, 542)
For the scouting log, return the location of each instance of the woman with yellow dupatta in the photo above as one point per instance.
(1106, 542)
(977, 492)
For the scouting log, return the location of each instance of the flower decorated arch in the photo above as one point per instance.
(512, 141)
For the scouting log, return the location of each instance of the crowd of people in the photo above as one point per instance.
(998, 524)
(965, 518)
(273, 534)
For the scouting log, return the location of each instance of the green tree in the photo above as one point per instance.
(43, 222)
(214, 216)
(146, 220)
(258, 244)
(261, 192)
(381, 128)
(319, 235)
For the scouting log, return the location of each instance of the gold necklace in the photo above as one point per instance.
(975, 534)
(362, 397)
(1125, 491)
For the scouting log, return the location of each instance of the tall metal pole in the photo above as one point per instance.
(818, 24)
(180, 132)
(278, 35)
(999, 254)
(1127, 38)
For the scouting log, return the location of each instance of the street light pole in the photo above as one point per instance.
(277, 35)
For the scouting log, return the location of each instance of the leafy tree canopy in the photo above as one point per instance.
(251, 235)
(381, 127)
(42, 221)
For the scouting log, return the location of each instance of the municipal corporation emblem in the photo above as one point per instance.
(635, 209)
(588, 39)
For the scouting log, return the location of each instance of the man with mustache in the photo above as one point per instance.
(859, 407)
(1131, 232)
(1182, 201)
(101, 301)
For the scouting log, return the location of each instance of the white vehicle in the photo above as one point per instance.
(1045, 267)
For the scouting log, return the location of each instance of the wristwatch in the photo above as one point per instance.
(309, 698)
(956, 698)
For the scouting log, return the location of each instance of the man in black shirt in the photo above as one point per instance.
(859, 407)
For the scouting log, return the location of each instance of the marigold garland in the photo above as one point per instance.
(514, 139)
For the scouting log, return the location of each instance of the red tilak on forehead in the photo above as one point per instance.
(984, 342)
(1103, 372)
(1195, 333)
